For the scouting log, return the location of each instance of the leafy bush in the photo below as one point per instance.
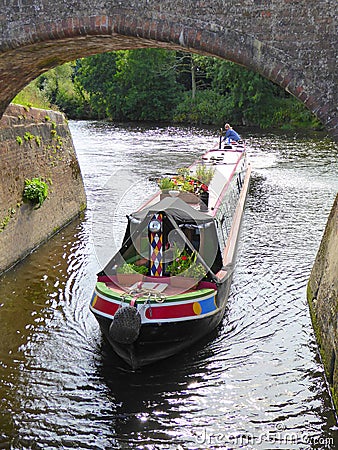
(208, 107)
(35, 191)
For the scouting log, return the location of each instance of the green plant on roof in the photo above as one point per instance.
(204, 174)
(35, 191)
(166, 184)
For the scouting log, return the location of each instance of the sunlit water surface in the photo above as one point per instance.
(256, 383)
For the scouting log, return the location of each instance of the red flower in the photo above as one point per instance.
(204, 187)
(184, 258)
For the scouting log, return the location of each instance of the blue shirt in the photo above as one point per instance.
(232, 135)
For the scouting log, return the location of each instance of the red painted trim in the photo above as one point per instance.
(170, 312)
(105, 306)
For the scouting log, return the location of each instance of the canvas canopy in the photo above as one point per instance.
(175, 207)
(177, 215)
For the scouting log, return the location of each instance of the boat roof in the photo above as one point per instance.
(181, 211)
(225, 162)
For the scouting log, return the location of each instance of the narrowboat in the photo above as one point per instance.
(168, 285)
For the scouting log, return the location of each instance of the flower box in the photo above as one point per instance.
(128, 279)
(183, 282)
(188, 197)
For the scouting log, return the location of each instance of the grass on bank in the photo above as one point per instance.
(30, 96)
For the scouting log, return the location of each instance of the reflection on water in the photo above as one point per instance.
(255, 383)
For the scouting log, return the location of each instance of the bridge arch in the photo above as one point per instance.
(50, 39)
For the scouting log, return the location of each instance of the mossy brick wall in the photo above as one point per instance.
(323, 300)
(35, 143)
(292, 43)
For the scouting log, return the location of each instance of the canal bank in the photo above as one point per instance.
(35, 144)
(322, 294)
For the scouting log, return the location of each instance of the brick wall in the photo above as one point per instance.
(35, 143)
(323, 300)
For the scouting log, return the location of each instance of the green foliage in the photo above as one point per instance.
(57, 85)
(166, 184)
(35, 191)
(130, 268)
(19, 140)
(28, 136)
(253, 100)
(158, 85)
(204, 174)
(185, 265)
(32, 95)
(4, 223)
(131, 84)
(184, 181)
(208, 107)
(10, 213)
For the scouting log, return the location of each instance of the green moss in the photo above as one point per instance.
(83, 206)
(10, 213)
(310, 297)
(4, 223)
(28, 136)
(56, 229)
(334, 394)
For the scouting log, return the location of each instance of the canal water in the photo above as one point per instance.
(256, 383)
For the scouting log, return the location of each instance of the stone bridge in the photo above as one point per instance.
(290, 42)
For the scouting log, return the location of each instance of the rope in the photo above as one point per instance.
(136, 293)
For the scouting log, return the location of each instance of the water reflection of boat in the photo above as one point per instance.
(178, 256)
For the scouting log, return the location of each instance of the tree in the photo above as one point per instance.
(57, 85)
(157, 85)
(94, 77)
(147, 83)
(131, 84)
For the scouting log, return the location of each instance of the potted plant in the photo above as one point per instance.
(190, 187)
(166, 185)
(129, 273)
(184, 271)
(186, 185)
(204, 174)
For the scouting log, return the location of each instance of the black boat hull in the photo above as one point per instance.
(161, 340)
